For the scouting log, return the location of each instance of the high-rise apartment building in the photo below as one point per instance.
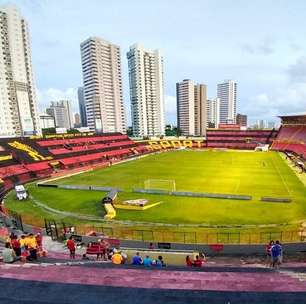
(146, 91)
(213, 113)
(191, 108)
(242, 120)
(77, 120)
(18, 106)
(227, 92)
(101, 66)
(82, 107)
(200, 105)
(46, 121)
(185, 107)
(62, 113)
(261, 124)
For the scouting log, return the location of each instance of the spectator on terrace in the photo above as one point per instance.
(104, 248)
(117, 258)
(11, 236)
(137, 260)
(189, 261)
(8, 254)
(22, 243)
(16, 245)
(202, 257)
(147, 261)
(160, 262)
(268, 252)
(151, 246)
(38, 238)
(32, 246)
(100, 249)
(276, 253)
(124, 257)
(197, 262)
(71, 246)
(107, 249)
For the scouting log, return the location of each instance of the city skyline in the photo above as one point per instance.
(270, 68)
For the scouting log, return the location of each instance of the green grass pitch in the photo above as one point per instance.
(230, 172)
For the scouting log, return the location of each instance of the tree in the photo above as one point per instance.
(129, 131)
(73, 131)
(47, 131)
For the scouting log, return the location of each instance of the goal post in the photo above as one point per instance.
(160, 184)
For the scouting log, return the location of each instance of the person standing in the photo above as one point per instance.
(71, 247)
(32, 246)
(197, 262)
(268, 253)
(189, 262)
(276, 253)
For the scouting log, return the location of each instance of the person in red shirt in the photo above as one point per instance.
(188, 261)
(197, 262)
(39, 240)
(268, 253)
(16, 245)
(71, 247)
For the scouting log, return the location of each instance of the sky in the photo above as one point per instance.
(260, 44)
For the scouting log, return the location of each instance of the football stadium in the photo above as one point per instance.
(152, 152)
(161, 220)
(236, 186)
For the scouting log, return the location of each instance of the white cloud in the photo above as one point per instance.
(297, 71)
(283, 100)
(45, 96)
(262, 47)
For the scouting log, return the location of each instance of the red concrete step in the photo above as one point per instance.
(142, 278)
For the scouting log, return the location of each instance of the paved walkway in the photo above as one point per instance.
(47, 283)
(188, 280)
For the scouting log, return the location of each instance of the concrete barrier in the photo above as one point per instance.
(79, 187)
(276, 199)
(194, 194)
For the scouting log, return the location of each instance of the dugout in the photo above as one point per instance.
(110, 197)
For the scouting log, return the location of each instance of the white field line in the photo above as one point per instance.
(281, 176)
(64, 176)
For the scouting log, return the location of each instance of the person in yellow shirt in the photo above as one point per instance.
(22, 242)
(32, 246)
(117, 258)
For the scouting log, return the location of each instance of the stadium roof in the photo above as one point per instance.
(293, 114)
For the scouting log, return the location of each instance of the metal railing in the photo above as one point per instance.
(184, 237)
(170, 236)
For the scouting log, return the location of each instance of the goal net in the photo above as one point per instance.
(160, 184)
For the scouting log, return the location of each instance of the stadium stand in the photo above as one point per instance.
(239, 139)
(27, 159)
(292, 135)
